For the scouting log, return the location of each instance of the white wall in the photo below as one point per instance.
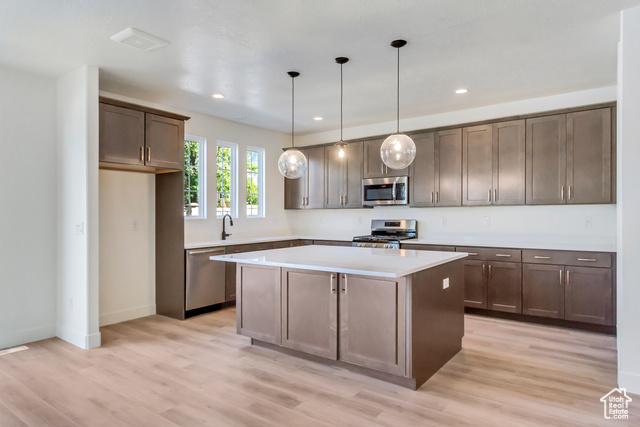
(527, 224)
(77, 207)
(629, 201)
(28, 213)
(127, 256)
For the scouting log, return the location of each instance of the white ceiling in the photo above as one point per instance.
(501, 50)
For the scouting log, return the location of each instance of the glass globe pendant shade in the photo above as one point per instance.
(398, 151)
(292, 163)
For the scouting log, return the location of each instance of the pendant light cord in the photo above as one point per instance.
(398, 95)
(341, 96)
(293, 97)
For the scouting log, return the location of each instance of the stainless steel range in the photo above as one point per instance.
(387, 233)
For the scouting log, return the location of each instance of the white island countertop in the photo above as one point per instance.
(349, 260)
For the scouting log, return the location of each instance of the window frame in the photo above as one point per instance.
(233, 185)
(202, 176)
(261, 181)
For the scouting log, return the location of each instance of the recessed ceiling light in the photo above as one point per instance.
(317, 118)
(462, 90)
(139, 39)
(218, 95)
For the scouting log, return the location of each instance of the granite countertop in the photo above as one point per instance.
(392, 263)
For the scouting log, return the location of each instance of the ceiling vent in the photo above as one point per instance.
(139, 39)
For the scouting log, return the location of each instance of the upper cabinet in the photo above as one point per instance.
(343, 176)
(307, 192)
(139, 139)
(373, 165)
(569, 158)
(493, 164)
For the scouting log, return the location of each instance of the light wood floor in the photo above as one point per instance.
(158, 371)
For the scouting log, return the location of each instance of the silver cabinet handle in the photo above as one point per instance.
(382, 168)
(332, 282)
(344, 201)
(562, 192)
(495, 195)
(344, 287)
(489, 196)
(542, 257)
(504, 255)
(303, 201)
(142, 154)
(490, 275)
(560, 277)
(473, 253)
(206, 251)
(437, 197)
(569, 192)
(483, 269)
(148, 154)
(432, 197)
(587, 259)
(567, 277)
(394, 193)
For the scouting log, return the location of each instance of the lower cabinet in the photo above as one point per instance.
(543, 290)
(258, 308)
(310, 312)
(504, 286)
(372, 322)
(230, 272)
(475, 285)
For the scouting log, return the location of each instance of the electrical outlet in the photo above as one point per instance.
(486, 222)
(587, 221)
(135, 225)
(443, 221)
(445, 283)
(80, 228)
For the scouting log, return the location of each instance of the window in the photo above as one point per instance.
(226, 179)
(255, 182)
(194, 177)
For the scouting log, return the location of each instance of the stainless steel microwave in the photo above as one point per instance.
(385, 191)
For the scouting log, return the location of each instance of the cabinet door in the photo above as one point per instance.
(546, 160)
(205, 279)
(588, 295)
(295, 190)
(353, 185)
(334, 178)
(372, 322)
(448, 164)
(543, 290)
(589, 156)
(164, 142)
(315, 177)
(230, 268)
(373, 165)
(477, 165)
(505, 287)
(121, 135)
(509, 163)
(310, 312)
(422, 171)
(258, 312)
(475, 284)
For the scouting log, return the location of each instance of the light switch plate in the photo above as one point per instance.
(80, 228)
(135, 225)
(445, 283)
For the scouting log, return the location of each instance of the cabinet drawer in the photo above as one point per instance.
(236, 249)
(492, 254)
(580, 259)
(427, 247)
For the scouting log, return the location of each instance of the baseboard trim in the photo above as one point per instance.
(630, 381)
(127, 314)
(25, 336)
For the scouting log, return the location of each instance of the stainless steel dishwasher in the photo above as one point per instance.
(205, 278)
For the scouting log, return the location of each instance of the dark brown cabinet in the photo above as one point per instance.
(435, 178)
(372, 322)
(569, 158)
(310, 312)
(588, 295)
(493, 279)
(343, 176)
(543, 290)
(307, 192)
(132, 139)
(493, 164)
(373, 165)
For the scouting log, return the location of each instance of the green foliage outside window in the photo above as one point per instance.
(191, 178)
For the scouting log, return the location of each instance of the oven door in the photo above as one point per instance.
(385, 191)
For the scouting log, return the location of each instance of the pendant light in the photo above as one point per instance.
(398, 150)
(341, 60)
(292, 163)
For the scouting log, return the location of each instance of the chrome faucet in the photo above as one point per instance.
(224, 233)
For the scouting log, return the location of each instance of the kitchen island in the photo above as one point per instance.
(392, 314)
